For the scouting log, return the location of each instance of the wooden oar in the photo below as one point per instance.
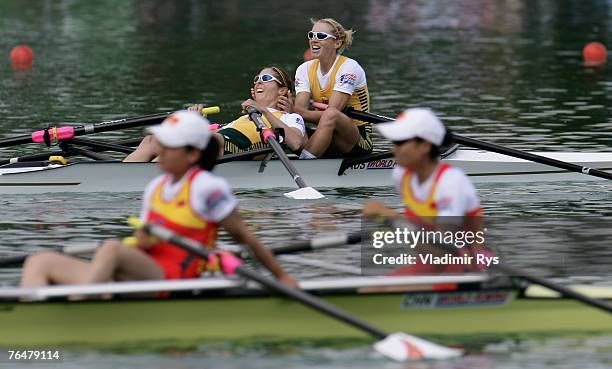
(374, 118)
(55, 134)
(268, 136)
(398, 346)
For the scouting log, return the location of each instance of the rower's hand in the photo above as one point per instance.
(374, 209)
(143, 241)
(197, 108)
(285, 103)
(289, 281)
(253, 103)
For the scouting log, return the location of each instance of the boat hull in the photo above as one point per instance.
(482, 167)
(160, 324)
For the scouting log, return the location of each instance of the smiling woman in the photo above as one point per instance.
(271, 95)
(338, 81)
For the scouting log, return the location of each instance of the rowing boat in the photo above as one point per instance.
(229, 310)
(371, 171)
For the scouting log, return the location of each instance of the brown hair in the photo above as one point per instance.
(344, 35)
(282, 75)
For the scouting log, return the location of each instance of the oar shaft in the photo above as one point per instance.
(313, 302)
(564, 291)
(197, 249)
(278, 150)
(374, 118)
(531, 157)
(121, 123)
(318, 243)
(14, 141)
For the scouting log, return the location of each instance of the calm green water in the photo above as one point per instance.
(508, 72)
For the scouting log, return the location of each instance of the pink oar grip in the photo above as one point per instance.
(63, 133)
(214, 126)
(319, 105)
(266, 134)
(229, 263)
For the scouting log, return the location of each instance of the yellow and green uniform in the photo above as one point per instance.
(242, 134)
(359, 100)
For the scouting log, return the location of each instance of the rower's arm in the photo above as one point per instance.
(374, 209)
(294, 139)
(338, 100)
(302, 103)
(238, 230)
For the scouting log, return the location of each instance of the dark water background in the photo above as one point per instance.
(510, 72)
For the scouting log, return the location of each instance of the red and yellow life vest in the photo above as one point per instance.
(178, 216)
(423, 213)
(415, 208)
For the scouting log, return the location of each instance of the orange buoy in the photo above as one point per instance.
(594, 54)
(22, 54)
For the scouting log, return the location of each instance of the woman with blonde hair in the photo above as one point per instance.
(338, 81)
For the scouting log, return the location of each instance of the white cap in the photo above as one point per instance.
(183, 128)
(411, 123)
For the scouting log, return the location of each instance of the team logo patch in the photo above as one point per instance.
(349, 79)
(298, 82)
(215, 198)
(444, 203)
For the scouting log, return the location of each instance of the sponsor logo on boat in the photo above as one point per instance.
(375, 164)
(456, 299)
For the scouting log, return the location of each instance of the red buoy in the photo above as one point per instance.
(594, 54)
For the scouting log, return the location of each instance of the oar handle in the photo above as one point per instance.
(211, 110)
(53, 135)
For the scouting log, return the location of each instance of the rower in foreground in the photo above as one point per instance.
(338, 81)
(187, 199)
(434, 194)
(271, 95)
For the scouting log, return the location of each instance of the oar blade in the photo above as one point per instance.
(304, 193)
(405, 347)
